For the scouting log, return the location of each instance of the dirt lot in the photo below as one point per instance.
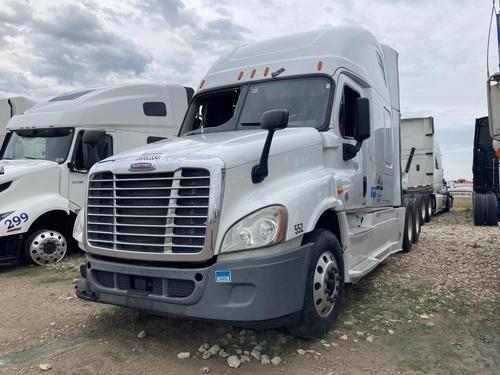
(435, 310)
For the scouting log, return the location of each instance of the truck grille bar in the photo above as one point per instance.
(162, 212)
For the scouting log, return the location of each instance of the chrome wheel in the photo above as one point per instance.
(46, 247)
(326, 284)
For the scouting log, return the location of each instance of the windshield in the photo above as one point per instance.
(46, 144)
(241, 108)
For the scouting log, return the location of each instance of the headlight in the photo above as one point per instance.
(3, 215)
(261, 228)
(78, 227)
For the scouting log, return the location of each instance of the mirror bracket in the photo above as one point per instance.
(349, 151)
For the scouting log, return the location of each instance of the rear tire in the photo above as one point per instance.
(428, 205)
(422, 209)
(490, 211)
(416, 220)
(409, 227)
(478, 205)
(324, 293)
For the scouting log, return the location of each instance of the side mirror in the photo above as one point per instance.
(362, 119)
(362, 129)
(273, 120)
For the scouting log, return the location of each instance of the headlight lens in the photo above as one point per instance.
(3, 215)
(261, 228)
(78, 227)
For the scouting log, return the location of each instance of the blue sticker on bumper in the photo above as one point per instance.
(222, 276)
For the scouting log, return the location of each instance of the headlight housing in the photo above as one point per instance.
(264, 227)
(78, 227)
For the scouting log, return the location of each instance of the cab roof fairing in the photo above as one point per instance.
(349, 47)
(110, 106)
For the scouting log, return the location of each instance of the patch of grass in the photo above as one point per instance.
(416, 364)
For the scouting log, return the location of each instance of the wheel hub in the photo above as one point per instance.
(326, 284)
(46, 247)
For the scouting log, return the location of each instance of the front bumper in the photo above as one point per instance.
(251, 290)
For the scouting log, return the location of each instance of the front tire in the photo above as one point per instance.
(324, 292)
(45, 247)
(490, 211)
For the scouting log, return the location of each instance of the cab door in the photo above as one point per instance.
(353, 172)
(81, 163)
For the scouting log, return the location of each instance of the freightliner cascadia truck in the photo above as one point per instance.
(421, 160)
(283, 186)
(49, 149)
(10, 107)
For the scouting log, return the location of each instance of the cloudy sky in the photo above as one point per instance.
(48, 47)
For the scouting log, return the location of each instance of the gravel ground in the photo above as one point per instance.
(435, 310)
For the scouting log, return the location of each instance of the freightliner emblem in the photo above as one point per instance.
(142, 166)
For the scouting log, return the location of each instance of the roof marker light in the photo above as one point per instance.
(202, 83)
(240, 75)
(266, 71)
(253, 73)
(320, 65)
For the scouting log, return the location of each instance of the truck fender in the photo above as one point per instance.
(29, 211)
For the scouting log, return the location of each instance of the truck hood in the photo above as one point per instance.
(234, 148)
(17, 168)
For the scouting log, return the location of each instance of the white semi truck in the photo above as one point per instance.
(283, 186)
(10, 107)
(49, 149)
(423, 177)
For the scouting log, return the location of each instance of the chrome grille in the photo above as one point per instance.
(163, 212)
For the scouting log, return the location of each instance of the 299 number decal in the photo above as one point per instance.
(16, 220)
(299, 228)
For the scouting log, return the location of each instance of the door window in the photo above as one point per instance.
(83, 151)
(347, 112)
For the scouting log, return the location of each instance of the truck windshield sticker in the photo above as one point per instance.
(222, 276)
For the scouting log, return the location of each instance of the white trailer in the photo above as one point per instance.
(283, 186)
(49, 149)
(10, 107)
(423, 181)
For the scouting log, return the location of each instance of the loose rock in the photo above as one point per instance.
(141, 334)
(276, 361)
(301, 351)
(184, 355)
(343, 337)
(204, 370)
(369, 338)
(264, 359)
(45, 366)
(214, 349)
(233, 361)
(256, 354)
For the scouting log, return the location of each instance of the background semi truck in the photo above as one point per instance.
(10, 107)
(49, 149)
(423, 177)
(485, 170)
(283, 186)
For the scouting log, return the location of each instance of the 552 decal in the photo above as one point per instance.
(16, 220)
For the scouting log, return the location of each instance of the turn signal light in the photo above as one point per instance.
(266, 71)
(240, 75)
(320, 65)
(252, 74)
